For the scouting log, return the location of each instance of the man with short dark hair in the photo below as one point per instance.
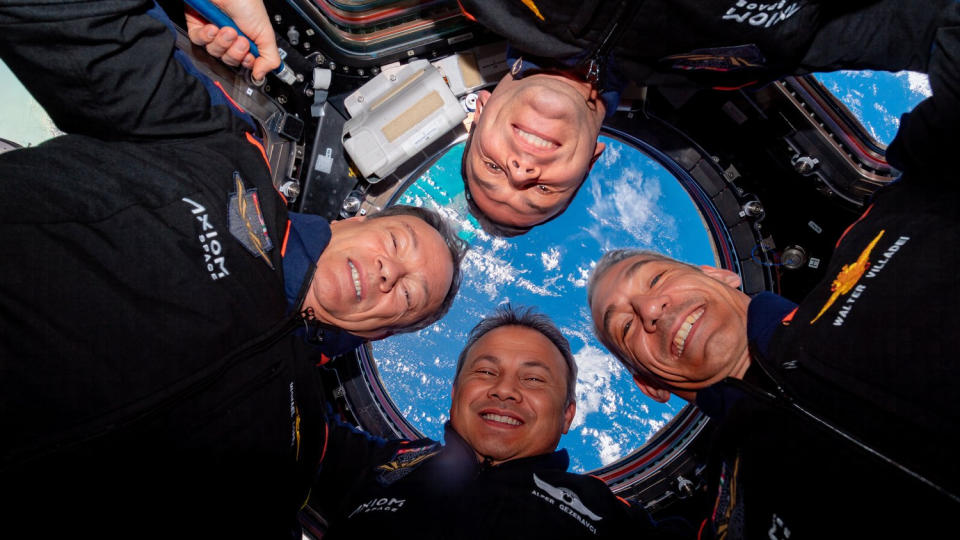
(498, 473)
(534, 139)
(163, 313)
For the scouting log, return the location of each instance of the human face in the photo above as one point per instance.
(380, 275)
(509, 400)
(685, 326)
(534, 141)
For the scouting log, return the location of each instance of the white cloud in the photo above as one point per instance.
(632, 207)
(595, 392)
(609, 449)
(611, 155)
(539, 290)
(487, 272)
(919, 83)
(583, 276)
(550, 259)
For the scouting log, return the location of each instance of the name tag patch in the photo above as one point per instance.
(246, 221)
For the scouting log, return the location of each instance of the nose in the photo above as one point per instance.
(505, 389)
(650, 309)
(390, 272)
(524, 171)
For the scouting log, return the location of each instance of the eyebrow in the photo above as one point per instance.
(635, 267)
(413, 235)
(421, 279)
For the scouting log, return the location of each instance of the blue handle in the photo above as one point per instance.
(213, 14)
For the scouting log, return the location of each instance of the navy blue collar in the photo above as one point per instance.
(611, 84)
(764, 315)
(309, 236)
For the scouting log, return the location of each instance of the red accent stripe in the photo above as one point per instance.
(789, 316)
(624, 501)
(323, 359)
(230, 99)
(732, 88)
(253, 140)
(286, 236)
(467, 14)
(859, 219)
(326, 439)
(702, 526)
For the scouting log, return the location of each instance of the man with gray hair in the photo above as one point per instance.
(819, 408)
(498, 475)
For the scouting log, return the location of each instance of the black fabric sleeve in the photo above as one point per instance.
(928, 135)
(897, 35)
(349, 455)
(106, 68)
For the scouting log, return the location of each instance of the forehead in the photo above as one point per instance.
(627, 269)
(517, 343)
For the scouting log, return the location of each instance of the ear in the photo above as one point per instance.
(482, 97)
(568, 415)
(597, 151)
(657, 394)
(721, 275)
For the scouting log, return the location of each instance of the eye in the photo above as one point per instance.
(406, 295)
(492, 166)
(544, 189)
(393, 238)
(626, 328)
(656, 278)
(534, 379)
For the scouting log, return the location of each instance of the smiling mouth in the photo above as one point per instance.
(534, 139)
(680, 340)
(356, 278)
(501, 419)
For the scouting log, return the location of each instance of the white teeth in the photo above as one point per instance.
(356, 278)
(680, 340)
(535, 140)
(502, 419)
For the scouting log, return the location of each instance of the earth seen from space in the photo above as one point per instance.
(629, 200)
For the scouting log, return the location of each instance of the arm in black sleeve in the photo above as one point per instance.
(929, 134)
(106, 68)
(347, 461)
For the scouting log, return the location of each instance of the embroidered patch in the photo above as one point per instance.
(849, 275)
(405, 461)
(734, 58)
(246, 221)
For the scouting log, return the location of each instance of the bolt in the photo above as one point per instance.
(277, 18)
(299, 77)
(332, 66)
(393, 77)
(306, 45)
(319, 59)
(805, 164)
(753, 209)
(793, 257)
(308, 92)
(359, 99)
(290, 189)
(282, 100)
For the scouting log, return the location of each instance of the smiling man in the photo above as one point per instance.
(535, 136)
(498, 475)
(841, 387)
(164, 315)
